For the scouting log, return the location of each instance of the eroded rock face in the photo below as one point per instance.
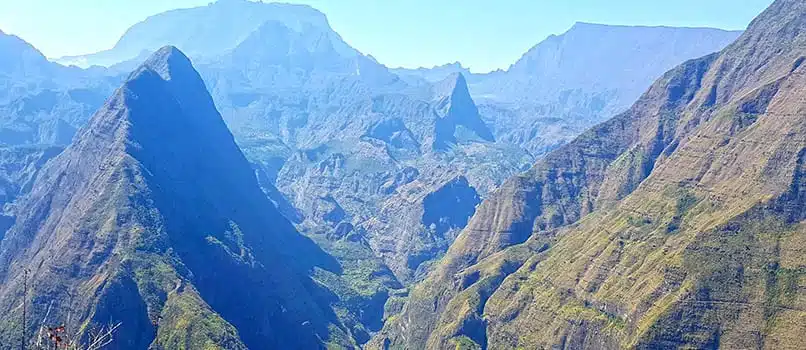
(652, 229)
(418, 223)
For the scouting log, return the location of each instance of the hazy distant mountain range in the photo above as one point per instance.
(340, 200)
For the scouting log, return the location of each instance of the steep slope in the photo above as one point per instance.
(676, 224)
(152, 217)
(202, 32)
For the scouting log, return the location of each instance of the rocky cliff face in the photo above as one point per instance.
(145, 218)
(675, 224)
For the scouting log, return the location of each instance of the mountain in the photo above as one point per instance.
(569, 82)
(154, 218)
(278, 59)
(596, 59)
(19, 58)
(459, 113)
(202, 32)
(40, 101)
(380, 169)
(677, 224)
(42, 104)
(433, 74)
(341, 166)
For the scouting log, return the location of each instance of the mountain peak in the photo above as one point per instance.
(454, 84)
(168, 61)
(460, 118)
(176, 77)
(159, 169)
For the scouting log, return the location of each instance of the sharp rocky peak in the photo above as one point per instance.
(167, 62)
(457, 108)
(170, 71)
(454, 85)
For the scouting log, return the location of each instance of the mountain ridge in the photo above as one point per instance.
(672, 224)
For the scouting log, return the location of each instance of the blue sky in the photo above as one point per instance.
(482, 34)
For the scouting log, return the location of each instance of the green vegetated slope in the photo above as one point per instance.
(679, 223)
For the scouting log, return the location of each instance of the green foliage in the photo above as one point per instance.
(465, 343)
(187, 323)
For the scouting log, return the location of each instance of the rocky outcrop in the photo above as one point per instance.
(671, 225)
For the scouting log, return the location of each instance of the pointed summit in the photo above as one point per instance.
(153, 218)
(453, 84)
(168, 61)
(459, 117)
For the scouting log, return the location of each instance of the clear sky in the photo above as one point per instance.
(482, 34)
